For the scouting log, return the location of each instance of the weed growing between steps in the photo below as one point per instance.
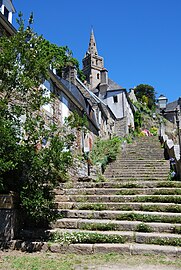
(168, 192)
(100, 178)
(177, 230)
(148, 218)
(163, 199)
(164, 241)
(96, 207)
(169, 184)
(85, 237)
(142, 227)
(99, 227)
(162, 208)
(126, 192)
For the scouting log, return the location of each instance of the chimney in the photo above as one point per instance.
(104, 83)
(69, 73)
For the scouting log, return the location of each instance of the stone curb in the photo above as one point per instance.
(88, 249)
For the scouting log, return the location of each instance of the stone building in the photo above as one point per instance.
(171, 107)
(68, 97)
(112, 94)
(105, 103)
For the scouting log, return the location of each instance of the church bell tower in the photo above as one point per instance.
(92, 63)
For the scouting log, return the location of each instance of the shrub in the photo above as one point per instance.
(105, 151)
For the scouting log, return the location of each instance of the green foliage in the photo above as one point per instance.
(164, 241)
(177, 229)
(154, 131)
(93, 206)
(34, 153)
(146, 94)
(157, 208)
(105, 151)
(99, 227)
(85, 237)
(100, 178)
(137, 120)
(76, 121)
(127, 192)
(142, 227)
(148, 218)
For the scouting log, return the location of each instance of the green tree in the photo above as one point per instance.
(34, 153)
(146, 93)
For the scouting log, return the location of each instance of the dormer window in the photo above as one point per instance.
(6, 13)
(7, 9)
(115, 99)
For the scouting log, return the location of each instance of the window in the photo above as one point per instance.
(6, 13)
(48, 88)
(115, 99)
(98, 76)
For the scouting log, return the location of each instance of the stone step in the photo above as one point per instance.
(89, 249)
(123, 184)
(141, 161)
(140, 168)
(151, 207)
(143, 152)
(143, 216)
(113, 173)
(122, 236)
(137, 178)
(120, 191)
(119, 198)
(115, 225)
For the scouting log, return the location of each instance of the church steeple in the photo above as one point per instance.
(92, 63)
(92, 49)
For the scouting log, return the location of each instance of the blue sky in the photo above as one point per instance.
(140, 40)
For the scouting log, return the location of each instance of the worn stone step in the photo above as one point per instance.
(115, 225)
(119, 198)
(137, 168)
(141, 162)
(121, 191)
(135, 177)
(128, 236)
(143, 216)
(89, 249)
(123, 184)
(142, 156)
(151, 207)
(112, 173)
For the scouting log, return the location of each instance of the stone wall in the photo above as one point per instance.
(172, 151)
(120, 127)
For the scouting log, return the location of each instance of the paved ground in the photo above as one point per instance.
(125, 267)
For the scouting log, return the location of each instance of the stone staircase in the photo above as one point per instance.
(136, 210)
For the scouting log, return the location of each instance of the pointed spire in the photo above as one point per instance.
(92, 49)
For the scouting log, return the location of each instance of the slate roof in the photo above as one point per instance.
(7, 25)
(113, 85)
(73, 91)
(172, 105)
